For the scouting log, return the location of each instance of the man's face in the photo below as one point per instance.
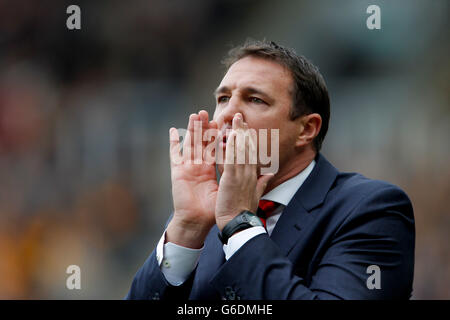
(261, 90)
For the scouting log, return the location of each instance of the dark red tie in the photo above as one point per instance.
(265, 209)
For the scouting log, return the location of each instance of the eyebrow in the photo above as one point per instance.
(247, 90)
(223, 89)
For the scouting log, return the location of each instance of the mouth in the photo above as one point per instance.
(224, 134)
(223, 142)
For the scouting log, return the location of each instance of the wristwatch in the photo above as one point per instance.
(242, 221)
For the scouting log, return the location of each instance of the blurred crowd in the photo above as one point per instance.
(84, 119)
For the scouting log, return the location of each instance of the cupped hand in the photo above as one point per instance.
(194, 183)
(239, 188)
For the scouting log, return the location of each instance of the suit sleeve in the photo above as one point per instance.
(379, 231)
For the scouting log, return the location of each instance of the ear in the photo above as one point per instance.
(310, 128)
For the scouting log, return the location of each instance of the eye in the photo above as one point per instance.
(256, 100)
(222, 99)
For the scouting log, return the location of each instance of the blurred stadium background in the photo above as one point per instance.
(84, 119)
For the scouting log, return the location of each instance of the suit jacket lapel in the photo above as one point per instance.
(297, 214)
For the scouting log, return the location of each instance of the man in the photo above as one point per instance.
(326, 234)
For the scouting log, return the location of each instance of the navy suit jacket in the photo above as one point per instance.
(334, 228)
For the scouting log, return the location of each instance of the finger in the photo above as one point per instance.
(246, 141)
(237, 121)
(198, 142)
(190, 128)
(253, 158)
(204, 117)
(174, 140)
(262, 183)
(209, 152)
(241, 146)
(241, 139)
(230, 152)
(237, 127)
(210, 137)
(213, 125)
(189, 138)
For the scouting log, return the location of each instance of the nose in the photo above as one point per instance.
(227, 113)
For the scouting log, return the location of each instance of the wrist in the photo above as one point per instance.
(222, 219)
(189, 235)
(242, 221)
(222, 222)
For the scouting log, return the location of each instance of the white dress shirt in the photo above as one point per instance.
(177, 262)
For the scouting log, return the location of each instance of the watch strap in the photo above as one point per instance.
(242, 221)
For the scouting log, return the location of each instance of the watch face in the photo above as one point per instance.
(254, 221)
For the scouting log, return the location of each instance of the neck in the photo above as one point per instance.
(290, 169)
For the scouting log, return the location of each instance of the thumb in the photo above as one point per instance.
(262, 183)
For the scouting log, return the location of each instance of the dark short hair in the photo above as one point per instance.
(310, 93)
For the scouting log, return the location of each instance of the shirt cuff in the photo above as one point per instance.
(176, 262)
(239, 239)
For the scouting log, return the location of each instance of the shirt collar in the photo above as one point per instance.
(286, 191)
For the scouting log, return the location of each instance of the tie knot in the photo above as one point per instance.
(266, 208)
